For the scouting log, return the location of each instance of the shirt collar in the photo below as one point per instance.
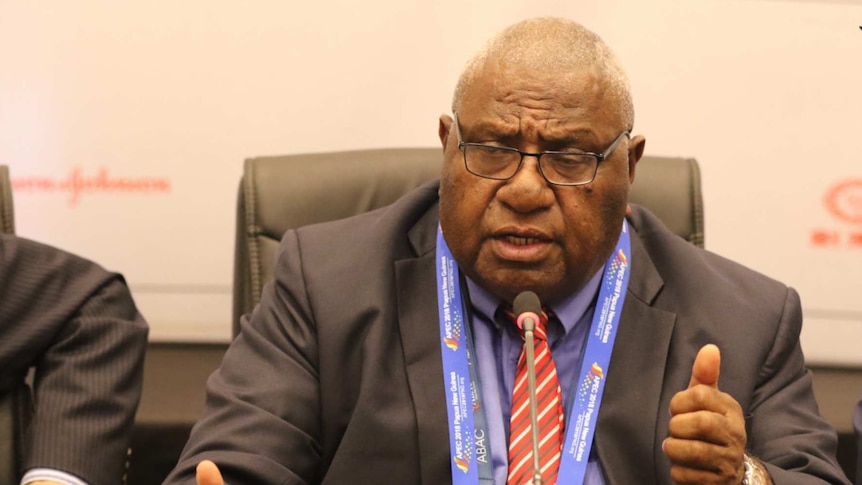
(570, 310)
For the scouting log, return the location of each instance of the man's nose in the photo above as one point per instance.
(530, 172)
(527, 190)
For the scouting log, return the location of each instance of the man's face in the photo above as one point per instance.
(524, 233)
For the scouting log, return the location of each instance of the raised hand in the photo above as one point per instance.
(707, 438)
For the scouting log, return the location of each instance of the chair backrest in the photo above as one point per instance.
(15, 403)
(670, 188)
(282, 192)
(7, 213)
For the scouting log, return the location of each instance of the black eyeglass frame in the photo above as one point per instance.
(600, 157)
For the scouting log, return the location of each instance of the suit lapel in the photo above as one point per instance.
(626, 434)
(420, 338)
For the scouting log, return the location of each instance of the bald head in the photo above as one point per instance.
(552, 45)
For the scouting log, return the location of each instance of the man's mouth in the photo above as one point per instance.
(522, 246)
(522, 241)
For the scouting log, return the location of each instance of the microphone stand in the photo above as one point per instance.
(529, 345)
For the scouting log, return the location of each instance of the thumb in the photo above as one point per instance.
(208, 474)
(706, 367)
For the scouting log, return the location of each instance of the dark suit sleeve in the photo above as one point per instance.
(262, 421)
(77, 325)
(786, 430)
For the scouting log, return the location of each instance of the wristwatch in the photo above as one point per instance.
(755, 474)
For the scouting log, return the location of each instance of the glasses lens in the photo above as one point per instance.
(492, 162)
(569, 168)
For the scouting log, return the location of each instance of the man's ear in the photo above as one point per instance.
(444, 129)
(636, 151)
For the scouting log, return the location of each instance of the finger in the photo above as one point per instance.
(706, 367)
(708, 426)
(691, 476)
(696, 454)
(208, 474)
(703, 398)
(692, 455)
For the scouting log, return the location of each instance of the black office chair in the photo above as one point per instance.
(670, 188)
(282, 192)
(15, 402)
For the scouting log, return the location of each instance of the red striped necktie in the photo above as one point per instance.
(550, 413)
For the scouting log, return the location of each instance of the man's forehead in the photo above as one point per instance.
(507, 82)
(512, 70)
(509, 103)
(516, 124)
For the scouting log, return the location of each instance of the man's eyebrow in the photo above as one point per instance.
(511, 133)
(487, 128)
(568, 137)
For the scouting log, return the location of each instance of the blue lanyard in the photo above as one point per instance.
(462, 387)
(469, 445)
(481, 438)
(581, 426)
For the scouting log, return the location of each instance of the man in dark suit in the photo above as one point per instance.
(77, 325)
(343, 373)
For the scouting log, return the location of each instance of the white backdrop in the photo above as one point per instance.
(125, 125)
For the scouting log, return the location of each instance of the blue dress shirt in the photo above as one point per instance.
(498, 346)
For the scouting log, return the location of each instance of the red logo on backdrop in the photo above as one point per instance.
(844, 202)
(77, 184)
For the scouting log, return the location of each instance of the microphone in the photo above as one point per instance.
(527, 308)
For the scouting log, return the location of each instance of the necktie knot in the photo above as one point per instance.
(541, 330)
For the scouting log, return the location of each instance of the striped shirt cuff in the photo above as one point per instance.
(36, 474)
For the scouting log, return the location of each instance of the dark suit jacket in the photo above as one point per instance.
(78, 326)
(336, 378)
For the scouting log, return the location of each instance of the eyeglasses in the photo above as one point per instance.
(558, 168)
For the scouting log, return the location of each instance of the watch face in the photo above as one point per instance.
(755, 474)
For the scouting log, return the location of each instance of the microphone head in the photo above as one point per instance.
(526, 301)
(527, 309)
